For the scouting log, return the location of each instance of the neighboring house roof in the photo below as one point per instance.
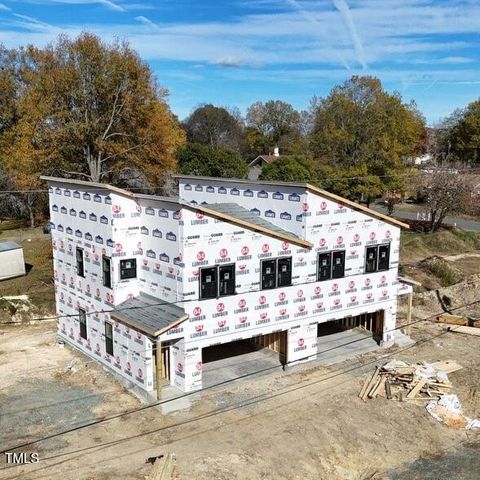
(308, 186)
(233, 213)
(149, 314)
(265, 158)
(7, 246)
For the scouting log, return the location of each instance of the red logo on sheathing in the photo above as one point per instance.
(170, 269)
(199, 214)
(128, 366)
(356, 237)
(179, 367)
(305, 207)
(283, 311)
(222, 323)
(199, 366)
(198, 328)
(323, 206)
(367, 282)
(139, 245)
(335, 287)
(223, 252)
(300, 293)
(285, 246)
(320, 305)
(139, 208)
(351, 284)
(383, 279)
(242, 266)
(145, 262)
(263, 316)
(97, 347)
(116, 208)
(385, 293)
(241, 303)
(340, 240)
(300, 342)
(337, 301)
(322, 242)
(220, 307)
(242, 319)
(139, 335)
(262, 300)
(88, 288)
(281, 296)
(341, 204)
(265, 247)
(140, 373)
(369, 296)
(158, 266)
(317, 290)
(200, 256)
(245, 250)
(353, 298)
(117, 360)
(118, 247)
(388, 234)
(372, 235)
(197, 311)
(301, 308)
(97, 292)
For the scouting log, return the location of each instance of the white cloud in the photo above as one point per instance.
(5, 8)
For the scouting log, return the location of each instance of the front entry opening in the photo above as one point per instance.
(241, 358)
(367, 322)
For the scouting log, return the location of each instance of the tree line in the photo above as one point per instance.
(82, 108)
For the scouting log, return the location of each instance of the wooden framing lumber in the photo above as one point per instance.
(467, 330)
(416, 389)
(451, 319)
(448, 366)
(371, 383)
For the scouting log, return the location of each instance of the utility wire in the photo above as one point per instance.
(161, 402)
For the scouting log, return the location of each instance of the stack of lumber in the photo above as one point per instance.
(401, 381)
(468, 325)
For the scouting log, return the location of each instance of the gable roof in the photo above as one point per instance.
(265, 158)
(233, 213)
(307, 186)
(149, 314)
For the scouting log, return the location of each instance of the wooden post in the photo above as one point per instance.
(159, 368)
(409, 313)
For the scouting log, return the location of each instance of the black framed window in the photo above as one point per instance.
(128, 269)
(82, 317)
(324, 266)
(338, 264)
(276, 272)
(269, 273)
(331, 265)
(284, 272)
(107, 271)
(208, 283)
(226, 274)
(371, 259)
(108, 338)
(80, 264)
(377, 258)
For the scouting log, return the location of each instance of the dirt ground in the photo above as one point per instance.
(306, 423)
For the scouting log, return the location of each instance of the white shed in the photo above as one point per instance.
(12, 263)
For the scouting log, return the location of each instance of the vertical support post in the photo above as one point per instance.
(158, 368)
(409, 313)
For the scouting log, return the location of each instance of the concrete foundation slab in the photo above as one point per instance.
(341, 346)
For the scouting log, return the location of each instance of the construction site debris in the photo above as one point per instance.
(467, 330)
(448, 410)
(401, 381)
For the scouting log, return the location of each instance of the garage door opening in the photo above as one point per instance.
(340, 340)
(242, 358)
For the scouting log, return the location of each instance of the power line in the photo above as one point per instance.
(161, 402)
(215, 412)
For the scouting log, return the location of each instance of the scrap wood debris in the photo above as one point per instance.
(402, 381)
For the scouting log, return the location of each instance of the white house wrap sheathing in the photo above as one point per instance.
(12, 263)
(171, 240)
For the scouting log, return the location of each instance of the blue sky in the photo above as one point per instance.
(235, 52)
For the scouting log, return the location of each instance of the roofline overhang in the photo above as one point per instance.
(117, 314)
(250, 226)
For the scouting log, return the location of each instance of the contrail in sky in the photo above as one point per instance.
(342, 7)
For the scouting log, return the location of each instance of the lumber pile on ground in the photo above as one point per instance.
(402, 381)
(460, 324)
